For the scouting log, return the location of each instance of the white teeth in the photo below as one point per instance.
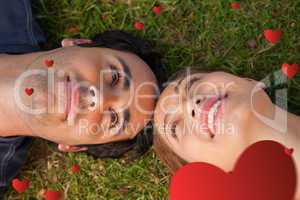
(211, 115)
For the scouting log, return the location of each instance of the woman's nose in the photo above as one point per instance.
(194, 106)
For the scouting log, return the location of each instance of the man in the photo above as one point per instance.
(95, 97)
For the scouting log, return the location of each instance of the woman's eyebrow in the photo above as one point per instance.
(176, 88)
(126, 72)
(190, 83)
(165, 121)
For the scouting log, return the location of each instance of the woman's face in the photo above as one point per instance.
(206, 117)
(88, 96)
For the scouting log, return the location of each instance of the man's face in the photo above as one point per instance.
(88, 95)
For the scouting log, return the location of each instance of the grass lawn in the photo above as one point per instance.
(204, 33)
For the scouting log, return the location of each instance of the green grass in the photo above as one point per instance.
(203, 33)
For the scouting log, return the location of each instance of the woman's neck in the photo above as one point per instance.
(11, 66)
(287, 133)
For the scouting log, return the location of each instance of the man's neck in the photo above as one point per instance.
(11, 66)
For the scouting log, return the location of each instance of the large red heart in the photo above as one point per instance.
(273, 36)
(290, 70)
(263, 172)
(20, 186)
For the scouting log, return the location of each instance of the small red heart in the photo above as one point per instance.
(290, 70)
(52, 195)
(253, 177)
(49, 63)
(289, 151)
(103, 17)
(273, 36)
(156, 9)
(29, 91)
(20, 186)
(235, 5)
(139, 25)
(72, 29)
(75, 168)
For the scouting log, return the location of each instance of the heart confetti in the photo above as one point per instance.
(49, 63)
(290, 70)
(253, 177)
(75, 168)
(156, 9)
(273, 36)
(235, 5)
(20, 186)
(29, 91)
(289, 151)
(139, 25)
(52, 195)
(73, 29)
(104, 17)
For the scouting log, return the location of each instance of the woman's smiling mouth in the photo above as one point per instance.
(210, 113)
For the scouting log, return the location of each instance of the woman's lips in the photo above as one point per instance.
(210, 114)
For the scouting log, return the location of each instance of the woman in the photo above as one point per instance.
(214, 117)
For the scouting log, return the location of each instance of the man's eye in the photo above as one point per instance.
(114, 118)
(92, 90)
(115, 76)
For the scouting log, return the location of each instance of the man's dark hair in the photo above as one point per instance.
(123, 41)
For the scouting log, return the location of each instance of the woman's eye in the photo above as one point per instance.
(114, 118)
(115, 76)
(173, 130)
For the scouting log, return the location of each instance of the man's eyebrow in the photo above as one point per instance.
(126, 117)
(126, 72)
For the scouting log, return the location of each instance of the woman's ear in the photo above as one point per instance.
(73, 42)
(69, 148)
(260, 83)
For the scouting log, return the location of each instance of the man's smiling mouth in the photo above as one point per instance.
(71, 99)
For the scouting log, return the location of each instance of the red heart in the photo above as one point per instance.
(52, 195)
(263, 172)
(75, 168)
(20, 186)
(103, 17)
(289, 151)
(29, 91)
(273, 36)
(49, 63)
(235, 5)
(290, 70)
(139, 25)
(156, 9)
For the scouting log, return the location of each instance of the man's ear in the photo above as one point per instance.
(73, 42)
(70, 148)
